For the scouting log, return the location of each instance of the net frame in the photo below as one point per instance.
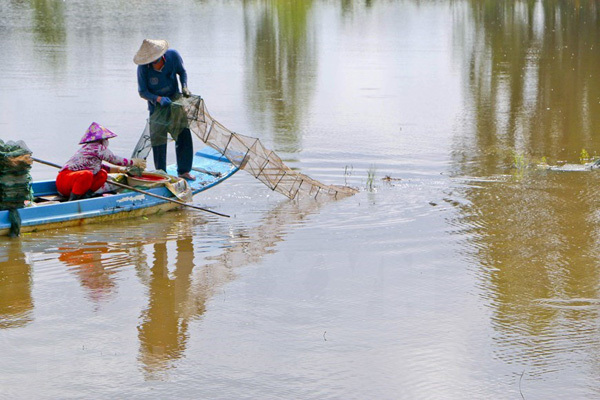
(247, 153)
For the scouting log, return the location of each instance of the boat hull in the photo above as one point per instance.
(84, 220)
(118, 206)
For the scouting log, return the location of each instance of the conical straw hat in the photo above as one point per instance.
(96, 132)
(150, 50)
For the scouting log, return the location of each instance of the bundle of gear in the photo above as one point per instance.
(15, 180)
(244, 152)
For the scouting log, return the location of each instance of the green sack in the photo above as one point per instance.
(167, 120)
(15, 180)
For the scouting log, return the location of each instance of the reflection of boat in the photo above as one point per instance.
(181, 262)
(209, 167)
(178, 292)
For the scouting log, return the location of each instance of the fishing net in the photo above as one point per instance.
(15, 180)
(244, 152)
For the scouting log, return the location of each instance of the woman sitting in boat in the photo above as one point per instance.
(85, 173)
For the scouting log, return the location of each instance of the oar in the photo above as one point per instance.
(141, 191)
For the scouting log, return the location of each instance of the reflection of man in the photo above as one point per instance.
(16, 302)
(163, 331)
(158, 68)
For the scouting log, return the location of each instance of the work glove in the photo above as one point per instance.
(186, 92)
(165, 101)
(140, 162)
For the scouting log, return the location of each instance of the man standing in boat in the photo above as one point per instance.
(157, 71)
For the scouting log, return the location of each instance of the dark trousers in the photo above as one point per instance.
(184, 150)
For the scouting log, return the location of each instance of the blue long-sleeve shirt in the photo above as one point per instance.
(152, 84)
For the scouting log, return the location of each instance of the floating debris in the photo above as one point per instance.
(388, 178)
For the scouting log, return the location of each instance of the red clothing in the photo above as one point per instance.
(79, 182)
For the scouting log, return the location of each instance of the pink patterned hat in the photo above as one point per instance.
(96, 132)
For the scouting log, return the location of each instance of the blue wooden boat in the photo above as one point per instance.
(209, 167)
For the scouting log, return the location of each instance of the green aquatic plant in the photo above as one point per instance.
(584, 156)
(348, 172)
(522, 162)
(519, 161)
(371, 177)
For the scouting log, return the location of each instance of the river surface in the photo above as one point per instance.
(464, 267)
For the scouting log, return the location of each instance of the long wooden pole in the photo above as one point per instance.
(181, 203)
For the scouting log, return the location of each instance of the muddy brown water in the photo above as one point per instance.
(463, 269)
